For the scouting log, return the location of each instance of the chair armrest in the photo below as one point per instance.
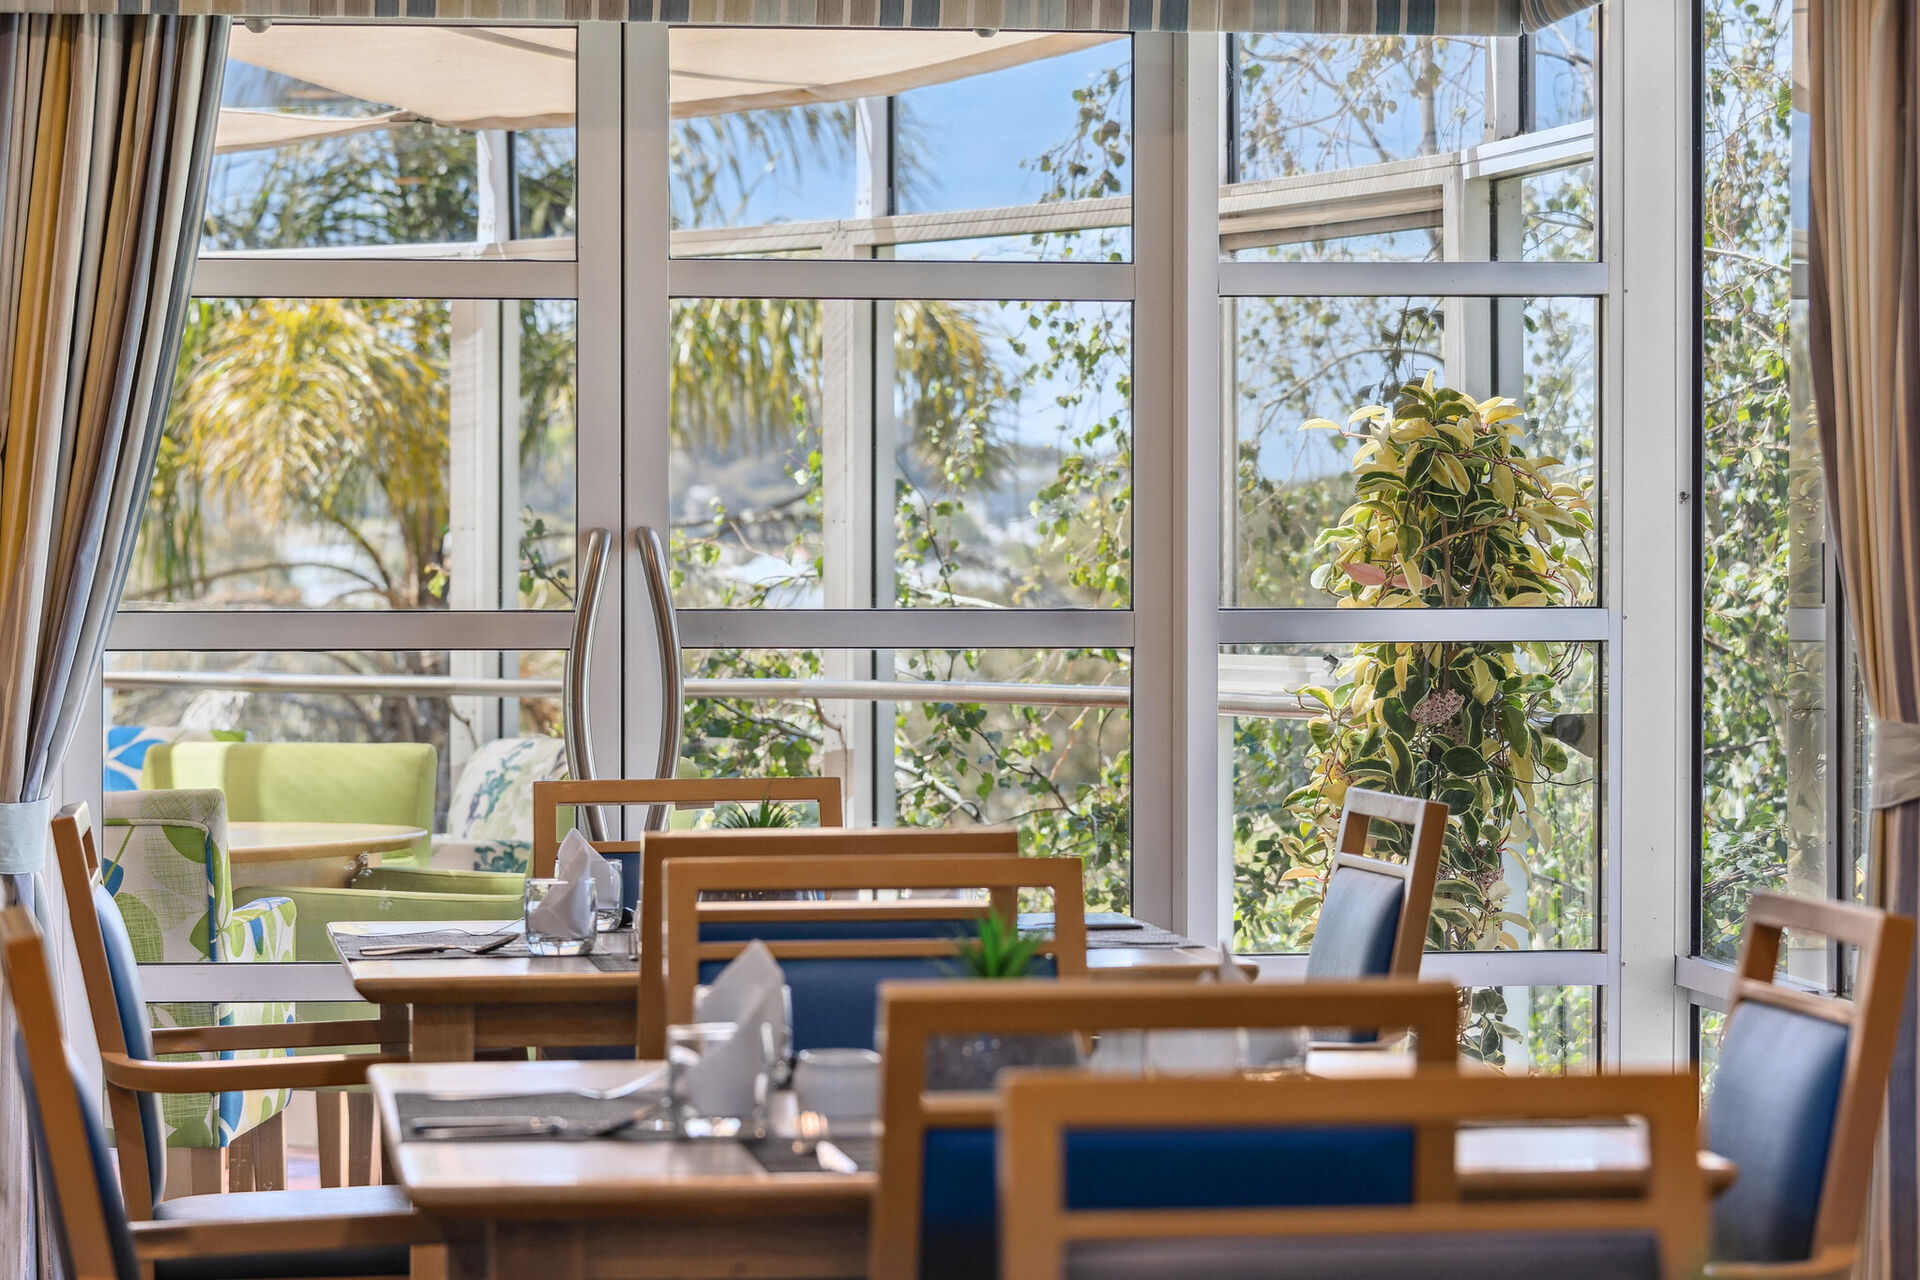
(284, 1035)
(506, 884)
(1828, 1264)
(321, 1071)
(164, 1241)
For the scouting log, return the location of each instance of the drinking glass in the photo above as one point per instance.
(720, 1078)
(607, 908)
(556, 923)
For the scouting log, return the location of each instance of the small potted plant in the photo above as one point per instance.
(996, 952)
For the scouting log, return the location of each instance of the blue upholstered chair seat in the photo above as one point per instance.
(1169, 1169)
(1597, 1255)
(1775, 1095)
(130, 1002)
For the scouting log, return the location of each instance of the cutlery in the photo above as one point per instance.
(626, 1090)
(436, 948)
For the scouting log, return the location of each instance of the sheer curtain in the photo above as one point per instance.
(106, 129)
(1865, 287)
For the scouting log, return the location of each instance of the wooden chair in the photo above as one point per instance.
(804, 842)
(130, 1046)
(953, 1131)
(1373, 913)
(1798, 1093)
(835, 954)
(361, 1232)
(1184, 1179)
(683, 793)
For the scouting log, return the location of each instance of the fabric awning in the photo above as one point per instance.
(523, 78)
(1342, 17)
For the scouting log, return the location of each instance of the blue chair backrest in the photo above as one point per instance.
(836, 1002)
(1156, 1169)
(112, 1209)
(130, 1002)
(1359, 916)
(1775, 1095)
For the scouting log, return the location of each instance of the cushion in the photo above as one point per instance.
(130, 1003)
(113, 1208)
(1584, 1255)
(1120, 1169)
(493, 797)
(836, 1002)
(1771, 1112)
(1359, 916)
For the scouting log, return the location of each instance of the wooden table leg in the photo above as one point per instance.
(443, 1033)
(361, 1139)
(330, 1120)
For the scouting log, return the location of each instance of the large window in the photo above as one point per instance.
(1140, 440)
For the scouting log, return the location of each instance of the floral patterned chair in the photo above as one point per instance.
(164, 860)
(490, 814)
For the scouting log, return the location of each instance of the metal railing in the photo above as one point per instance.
(734, 688)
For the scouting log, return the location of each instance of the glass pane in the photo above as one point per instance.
(1343, 147)
(489, 723)
(1037, 738)
(1765, 647)
(986, 145)
(1508, 735)
(1506, 520)
(1533, 1029)
(1709, 1026)
(1009, 427)
(335, 454)
(336, 136)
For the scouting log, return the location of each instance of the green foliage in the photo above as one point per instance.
(997, 950)
(1452, 512)
(768, 813)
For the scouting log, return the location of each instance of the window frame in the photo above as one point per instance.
(624, 274)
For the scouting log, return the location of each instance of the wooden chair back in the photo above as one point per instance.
(1039, 1109)
(79, 860)
(1002, 878)
(755, 842)
(88, 1220)
(1872, 1016)
(1426, 821)
(683, 793)
(915, 1014)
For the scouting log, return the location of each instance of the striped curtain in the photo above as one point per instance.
(1332, 17)
(1865, 287)
(106, 132)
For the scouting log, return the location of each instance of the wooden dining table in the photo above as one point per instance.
(462, 1005)
(311, 854)
(623, 1210)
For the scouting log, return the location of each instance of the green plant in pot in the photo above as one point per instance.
(997, 951)
(769, 814)
(1452, 512)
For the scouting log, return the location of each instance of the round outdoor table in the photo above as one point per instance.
(319, 854)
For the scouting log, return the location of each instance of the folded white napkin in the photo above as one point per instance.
(606, 890)
(567, 912)
(734, 1078)
(731, 1078)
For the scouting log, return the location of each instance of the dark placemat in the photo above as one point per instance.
(610, 946)
(1147, 935)
(570, 1107)
(791, 1155)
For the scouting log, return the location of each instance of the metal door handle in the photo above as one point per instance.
(673, 689)
(574, 706)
